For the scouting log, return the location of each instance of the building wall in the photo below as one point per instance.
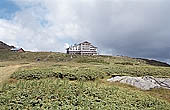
(82, 49)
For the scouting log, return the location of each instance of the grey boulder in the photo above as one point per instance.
(144, 83)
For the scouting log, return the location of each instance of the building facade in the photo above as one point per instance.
(84, 48)
(17, 50)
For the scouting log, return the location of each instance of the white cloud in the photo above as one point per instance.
(66, 45)
(43, 27)
(8, 31)
(130, 27)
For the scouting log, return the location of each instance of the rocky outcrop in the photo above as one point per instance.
(144, 83)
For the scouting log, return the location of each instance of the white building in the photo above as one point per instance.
(84, 48)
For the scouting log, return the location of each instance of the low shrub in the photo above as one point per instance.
(74, 74)
(33, 74)
(91, 60)
(64, 95)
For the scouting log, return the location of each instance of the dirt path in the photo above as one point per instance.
(5, 72)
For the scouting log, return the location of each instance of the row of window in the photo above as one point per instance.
(83, 49)
(84, 53)
(78, 47)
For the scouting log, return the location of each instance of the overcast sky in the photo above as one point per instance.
(137, 28)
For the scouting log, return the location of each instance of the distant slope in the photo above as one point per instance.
(5, 46)
(154, 62)
(57, 57)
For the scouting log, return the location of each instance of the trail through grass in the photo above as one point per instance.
(6, 71)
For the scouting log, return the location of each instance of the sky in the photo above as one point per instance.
(135, 28)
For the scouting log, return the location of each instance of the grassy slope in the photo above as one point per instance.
(55, 65)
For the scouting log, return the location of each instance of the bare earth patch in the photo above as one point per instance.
(6, 71)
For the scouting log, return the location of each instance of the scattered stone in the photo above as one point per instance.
(38, 59)
(144, 83)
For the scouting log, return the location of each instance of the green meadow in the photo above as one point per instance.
(57, 81)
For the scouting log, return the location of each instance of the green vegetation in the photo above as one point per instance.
(141, 71)
(58, 81)
(61, 94)
(33, 56)
(88, 72)
(2, 66)
(91, 60)
(33, 74)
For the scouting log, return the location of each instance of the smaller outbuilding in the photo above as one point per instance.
(17, 50)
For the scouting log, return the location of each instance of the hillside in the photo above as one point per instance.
(47, 80)
(55, 57)
(154, 62)
(5, 46)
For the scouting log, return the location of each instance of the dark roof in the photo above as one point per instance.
(81, 43)
(93, 46)
(16, 49)
(85, 42)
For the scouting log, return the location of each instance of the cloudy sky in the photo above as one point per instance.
(137, 28)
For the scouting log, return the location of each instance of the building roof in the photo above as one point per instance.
(85, 42)
(80, 44)
(16, 49)
(93, 46)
